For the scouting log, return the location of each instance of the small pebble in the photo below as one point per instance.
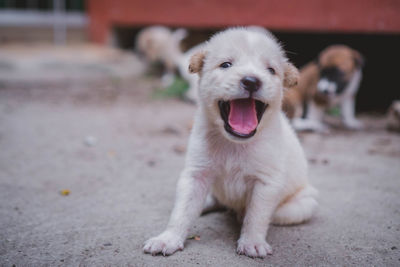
(65, 192)
(179, 149)
(171, 130)
(195, 237)
(151, 163)
(90, 140)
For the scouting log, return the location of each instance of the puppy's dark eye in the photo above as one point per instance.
(225, 65)
(271, 70)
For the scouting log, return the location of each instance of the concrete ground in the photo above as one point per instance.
(119, 153)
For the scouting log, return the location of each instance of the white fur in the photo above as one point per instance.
(325, 86)
(193, 79)
(348, 102)
(263, 178)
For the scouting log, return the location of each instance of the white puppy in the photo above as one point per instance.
(241, 148)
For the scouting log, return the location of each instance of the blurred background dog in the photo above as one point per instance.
(159, 44)
(393, 117)
(330, 80)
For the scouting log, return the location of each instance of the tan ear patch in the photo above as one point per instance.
(197, 62)
(291, 75)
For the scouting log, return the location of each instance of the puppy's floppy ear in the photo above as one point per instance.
(358, 59)
(197, 62)
(291, 75)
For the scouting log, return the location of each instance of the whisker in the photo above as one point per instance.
(291, 52)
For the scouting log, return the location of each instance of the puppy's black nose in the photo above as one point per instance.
(250, 84)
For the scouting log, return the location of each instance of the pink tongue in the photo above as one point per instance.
(243, 116)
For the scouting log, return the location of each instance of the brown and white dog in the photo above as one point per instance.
(333, 79)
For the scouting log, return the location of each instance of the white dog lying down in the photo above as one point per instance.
(159, 43)
(241, 149)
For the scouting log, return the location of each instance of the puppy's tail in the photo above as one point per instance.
(298, 208)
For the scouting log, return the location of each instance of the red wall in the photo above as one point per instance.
(358, 16)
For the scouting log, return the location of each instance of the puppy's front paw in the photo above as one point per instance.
(166, 244)
(310, 125)
(254, 248)
(354, 124)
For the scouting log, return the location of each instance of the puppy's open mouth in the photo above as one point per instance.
(241, 116)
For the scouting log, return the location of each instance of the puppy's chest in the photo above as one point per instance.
(335, 100)
(233, 183)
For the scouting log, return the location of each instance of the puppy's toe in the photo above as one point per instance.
(263, 250)
(254, 249)
(165, 244)
(153, 246)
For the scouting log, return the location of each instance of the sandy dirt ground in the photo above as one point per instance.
(99, 134)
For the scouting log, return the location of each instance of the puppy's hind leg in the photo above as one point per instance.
(298, 208)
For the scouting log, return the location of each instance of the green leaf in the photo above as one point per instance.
(177, 89)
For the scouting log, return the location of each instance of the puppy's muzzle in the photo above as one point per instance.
(250, 84)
